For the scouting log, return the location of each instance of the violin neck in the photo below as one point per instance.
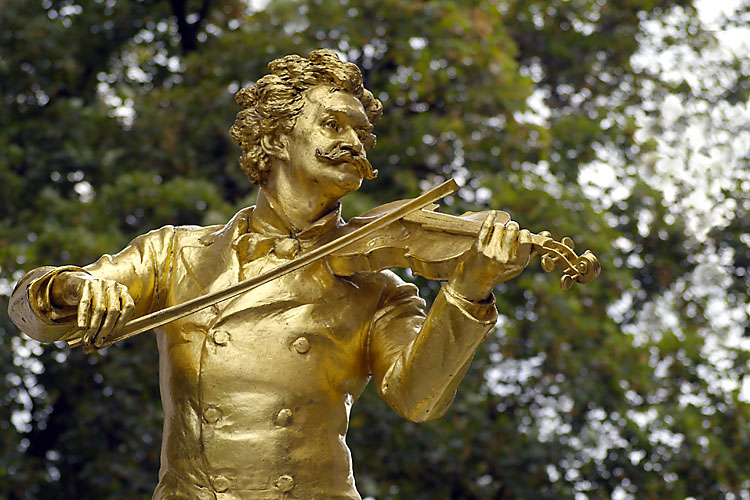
(554, 254)
(468, 224)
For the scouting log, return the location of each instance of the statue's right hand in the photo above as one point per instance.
(104, 306)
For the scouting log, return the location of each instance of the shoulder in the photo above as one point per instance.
(200, 235)
(392, 280)
(195, 234)
(396, 289)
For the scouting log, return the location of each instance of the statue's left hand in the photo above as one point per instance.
(500, 253)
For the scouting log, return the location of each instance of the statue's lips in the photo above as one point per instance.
(338, 155)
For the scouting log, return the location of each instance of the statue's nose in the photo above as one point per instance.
(354, 150)
(352, 143)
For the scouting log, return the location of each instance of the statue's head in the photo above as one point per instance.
(271, 106)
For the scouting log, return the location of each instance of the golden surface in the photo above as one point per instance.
(257, 389)
(283, 247)
(260, 386)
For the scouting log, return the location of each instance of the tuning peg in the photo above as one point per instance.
(566, 281)
(568, 242)
(548, 263)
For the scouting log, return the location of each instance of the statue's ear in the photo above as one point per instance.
(275, 145)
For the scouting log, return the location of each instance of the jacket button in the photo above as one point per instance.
(284, 417)
(220, 483)
(220, 337)
(211, 415)
(301, 345)
(284, 483)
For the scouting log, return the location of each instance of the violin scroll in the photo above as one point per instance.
(559, 254)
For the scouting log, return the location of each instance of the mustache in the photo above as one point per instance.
(340, 153)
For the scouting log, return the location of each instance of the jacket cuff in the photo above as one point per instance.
(39, 295)
(31, 310)
(483, 312)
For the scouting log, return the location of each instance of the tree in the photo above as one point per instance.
(115, 122)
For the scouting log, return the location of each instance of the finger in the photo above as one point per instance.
(509, 242)
(485, 232)
(98, 308)
(112, 315)
(524, 246)
(84, 309)
(127, 306)
(495, 246)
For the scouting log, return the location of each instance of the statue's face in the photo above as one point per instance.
(326, 145)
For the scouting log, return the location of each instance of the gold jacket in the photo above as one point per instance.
(257, 389)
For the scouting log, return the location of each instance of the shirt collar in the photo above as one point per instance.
(269, 220)
(269, 231)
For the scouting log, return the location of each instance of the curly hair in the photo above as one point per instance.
(272, 105)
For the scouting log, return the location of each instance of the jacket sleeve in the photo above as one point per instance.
(143, 266)
(417, 362)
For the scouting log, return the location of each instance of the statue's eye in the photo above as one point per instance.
(332, 124)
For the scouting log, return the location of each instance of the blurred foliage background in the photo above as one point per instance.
(622, 123)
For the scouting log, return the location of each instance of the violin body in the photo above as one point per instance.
(431, 244)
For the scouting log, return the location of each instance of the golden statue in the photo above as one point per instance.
(257, 381)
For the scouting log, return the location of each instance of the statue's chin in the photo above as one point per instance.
(346, 178)
(350, 178)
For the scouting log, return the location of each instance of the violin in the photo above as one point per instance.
(431, 243)
(405, 233)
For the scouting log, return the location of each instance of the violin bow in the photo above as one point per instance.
(172, 313)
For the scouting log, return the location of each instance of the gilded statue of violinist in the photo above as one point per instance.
(257, 389)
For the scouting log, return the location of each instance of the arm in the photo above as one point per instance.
(50, 304)
(418, 362)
